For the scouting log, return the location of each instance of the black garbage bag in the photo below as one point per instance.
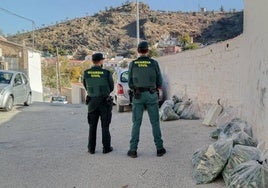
(250, 174)
(239, 154)
(209, 162)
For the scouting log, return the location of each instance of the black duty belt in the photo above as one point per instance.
(143, 89)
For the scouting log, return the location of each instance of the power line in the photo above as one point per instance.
(22, 17)
(14, 14)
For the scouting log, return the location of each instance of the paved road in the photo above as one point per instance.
(44, 146)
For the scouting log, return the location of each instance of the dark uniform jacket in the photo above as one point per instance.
(144, 72)
(99, 84)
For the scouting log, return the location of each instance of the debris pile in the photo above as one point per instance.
(236, 155)
(179, 108)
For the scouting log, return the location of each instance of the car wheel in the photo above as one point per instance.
(119, 108)
(9, 103)
(29, 100)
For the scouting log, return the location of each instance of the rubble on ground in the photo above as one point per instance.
(179, 108)
(236, 155)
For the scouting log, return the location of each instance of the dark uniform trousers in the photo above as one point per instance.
(147, 101)
(104, 112)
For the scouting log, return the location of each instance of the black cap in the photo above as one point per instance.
(143, 45)
(97, 57)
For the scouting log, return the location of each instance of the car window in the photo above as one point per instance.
(5, 77)
(25, 80)
(54, 98)
(124, 77)
(18, 80)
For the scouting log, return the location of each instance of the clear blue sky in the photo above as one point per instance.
(48, 12)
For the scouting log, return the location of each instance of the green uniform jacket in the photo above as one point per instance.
(99, 84)
(144, 72)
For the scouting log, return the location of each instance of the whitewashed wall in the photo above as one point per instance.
(255, 48)
(34, 73)
(236, 71)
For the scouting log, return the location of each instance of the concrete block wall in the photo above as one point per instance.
(207, 73)
(235, 71)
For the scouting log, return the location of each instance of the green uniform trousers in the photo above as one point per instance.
(147, 101)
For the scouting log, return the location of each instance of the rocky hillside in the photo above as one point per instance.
(114, 31)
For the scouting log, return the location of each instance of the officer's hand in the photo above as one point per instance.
(160, 94)
(87, 99)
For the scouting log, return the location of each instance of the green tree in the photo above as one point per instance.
(75, 73)
(185, 40)
(49, 76)
(85, 65)
(65, 72)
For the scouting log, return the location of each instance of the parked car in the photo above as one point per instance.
(120, 93)
(121, 90)
(59, 99)
(14, 89)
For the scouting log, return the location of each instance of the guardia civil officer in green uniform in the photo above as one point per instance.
(145, 79)
(99, 84)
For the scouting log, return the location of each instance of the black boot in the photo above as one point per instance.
(107, 150)
(161, 152)
(132, 154)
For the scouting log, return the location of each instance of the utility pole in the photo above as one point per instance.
(138, 23)
(137, 15)
(58, 73)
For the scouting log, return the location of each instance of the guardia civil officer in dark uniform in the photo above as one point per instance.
(99, 84)
(145, 79)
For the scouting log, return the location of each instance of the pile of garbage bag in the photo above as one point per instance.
(209, 161)
(239, 130)
(236, 155)
(179, 108)
(229, 128)
(241, 154)
(167, 112)
(250, 174)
